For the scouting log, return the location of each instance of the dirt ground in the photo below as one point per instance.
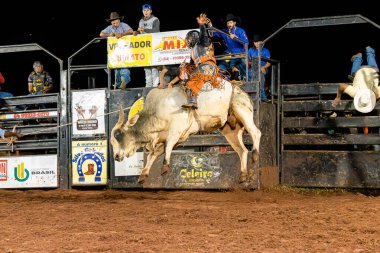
(274, 220)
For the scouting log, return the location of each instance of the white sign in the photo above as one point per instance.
(131, 166)
(88, 109)
(170, 48)
(26, 115)
(28, 171)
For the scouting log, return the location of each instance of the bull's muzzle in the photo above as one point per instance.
(118, 158)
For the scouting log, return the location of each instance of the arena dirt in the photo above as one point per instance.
(274, 220)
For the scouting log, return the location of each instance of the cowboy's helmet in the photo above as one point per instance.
(192, 38)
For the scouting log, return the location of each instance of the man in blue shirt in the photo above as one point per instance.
(236, 66)
(253, 53)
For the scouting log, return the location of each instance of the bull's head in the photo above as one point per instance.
(123, 140)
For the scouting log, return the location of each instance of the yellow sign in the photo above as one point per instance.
(129, 51)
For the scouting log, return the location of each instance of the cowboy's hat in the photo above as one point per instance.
(257, 37)
(364, 100)
(113, 16)
(232, 17)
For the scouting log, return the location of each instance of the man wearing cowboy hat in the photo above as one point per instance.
(256, 68)
(233, 32)
(118, 29)
(365, 87)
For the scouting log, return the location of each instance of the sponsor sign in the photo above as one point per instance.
(164, 48)
(131, 166)
(89, 162)
(29, 171)
(196, 169)
(27, 115)
(88, 109)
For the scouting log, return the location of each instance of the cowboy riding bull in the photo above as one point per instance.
(163, 124)
(168, 117)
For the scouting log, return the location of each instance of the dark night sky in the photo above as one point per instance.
(319, 54)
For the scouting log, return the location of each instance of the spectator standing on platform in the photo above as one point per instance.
(256, 68)
(149, 24)
(39, 81)
(237, 66)
(118, 29)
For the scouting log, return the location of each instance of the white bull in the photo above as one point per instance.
(163, 124)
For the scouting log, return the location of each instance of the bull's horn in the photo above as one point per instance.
(121, 117)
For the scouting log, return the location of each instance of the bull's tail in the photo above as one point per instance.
(231, 119)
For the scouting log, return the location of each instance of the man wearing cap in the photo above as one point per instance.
(236, 66)
(39, 81)
(118, 29)
(261, 68)
(149, 24)
(365, 87)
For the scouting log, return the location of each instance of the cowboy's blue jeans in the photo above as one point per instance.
(238, 63)
(357, 62)
(4, 94)
(262, 80)
(122, 72)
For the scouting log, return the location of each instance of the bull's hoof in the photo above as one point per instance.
(255, 156)
(243, 178)
(164, 169)
(142, 178)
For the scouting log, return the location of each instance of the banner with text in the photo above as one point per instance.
(89, 162)
(28, 171)
(165, 48)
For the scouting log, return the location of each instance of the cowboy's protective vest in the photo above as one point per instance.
(200, 54)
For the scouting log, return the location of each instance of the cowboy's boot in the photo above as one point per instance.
(123, 84)
(90, 169)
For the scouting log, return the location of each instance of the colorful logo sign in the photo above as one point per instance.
(93, 163)
(21, 174)
(3, 170)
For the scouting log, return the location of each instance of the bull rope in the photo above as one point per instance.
(12, 139)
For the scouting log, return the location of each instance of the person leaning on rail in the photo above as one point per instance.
(237, 66)
(118, 29)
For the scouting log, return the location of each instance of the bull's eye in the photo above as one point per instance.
(118, 135)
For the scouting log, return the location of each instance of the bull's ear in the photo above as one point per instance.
(132, 121)
(121, 118)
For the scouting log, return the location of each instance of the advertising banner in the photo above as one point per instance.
(28, 171)
(164, 48)
(28, 115)
(88, 109)
(131, 166)
(89, 162)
